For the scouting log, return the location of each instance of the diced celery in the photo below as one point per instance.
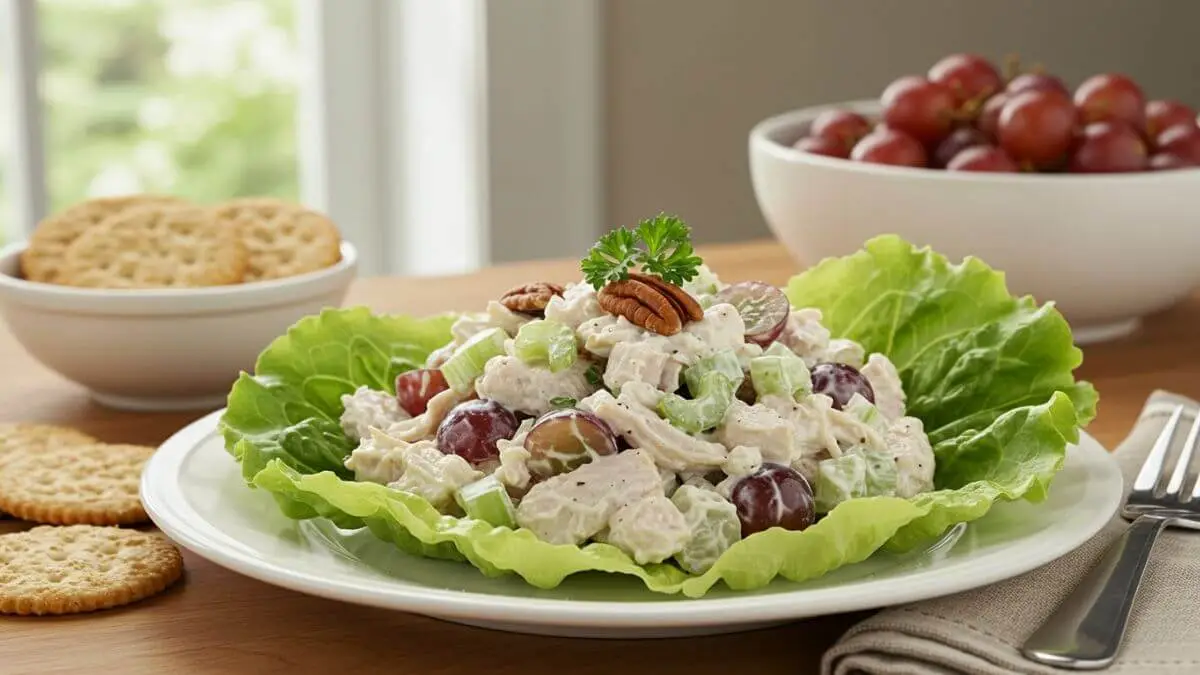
(780, 374)
(866, 412)
(546, 343)
(724, 362)
(857, 473)
(486, 499)
(714, 524)
(778, 349)
(712, 397)
(467, 362)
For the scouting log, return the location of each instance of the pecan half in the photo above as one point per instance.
(689, 309)
(643, 304)
(530, 298)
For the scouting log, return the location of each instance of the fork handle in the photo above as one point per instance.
(1085, 632)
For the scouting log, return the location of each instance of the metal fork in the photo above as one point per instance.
(1085, 632)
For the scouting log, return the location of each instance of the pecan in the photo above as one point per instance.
(643, 304)
(530, 298)
(689, 309)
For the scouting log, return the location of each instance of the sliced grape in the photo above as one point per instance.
(714, 524)
(840, 382)
(563, 440)
(487, 499)
(711, 398)
(415, 387)
(544, 342)
(763, 308)
(724, 362)
(468, 361)
(773, 496)
(472, 428)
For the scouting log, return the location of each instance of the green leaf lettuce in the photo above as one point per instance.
(990, 376)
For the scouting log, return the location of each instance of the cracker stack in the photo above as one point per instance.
(60, 476)
(154, 241)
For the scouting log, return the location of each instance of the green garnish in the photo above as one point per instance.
(593, 375)
(562, 402)
(666, 253)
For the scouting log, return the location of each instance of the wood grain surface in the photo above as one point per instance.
(219, 622)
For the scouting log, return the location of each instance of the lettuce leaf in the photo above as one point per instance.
(990, 375)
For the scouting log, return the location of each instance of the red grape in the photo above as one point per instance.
(1111, 97)
(820, 145)
(1162, 115)
(1036, 82)
(983, 158)
(989, 115)
(969, 77)
(773, 496)
(842, 126)
(840, 382)
(888, 146)
(925, 110)
(1037, 127)
(763, 307)
(472, 428)
(1182, 140)
(1165, 161)
(959, 140)
(563, 440)
(1109, 147)
(415, 387)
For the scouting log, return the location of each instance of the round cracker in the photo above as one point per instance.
(22, 437)
(82, 568)
(282, 239)
(42, 260)
(156, 246)
(93, 484)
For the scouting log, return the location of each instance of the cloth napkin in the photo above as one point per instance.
(980, 632)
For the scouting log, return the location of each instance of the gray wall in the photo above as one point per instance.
(686, 79)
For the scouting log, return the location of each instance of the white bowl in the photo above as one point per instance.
(1108, 249)
(160, 349)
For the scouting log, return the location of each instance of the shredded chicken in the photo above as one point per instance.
(885, 382)
(670, 447)
(577, 305)
(521, 387)
(367, 408)
(759, 426)
(650, 530)
(572, 507)
(908, 444)
(426, 424)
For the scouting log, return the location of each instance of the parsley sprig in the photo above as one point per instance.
(666, 252)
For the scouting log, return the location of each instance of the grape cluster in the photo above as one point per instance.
(964, 116)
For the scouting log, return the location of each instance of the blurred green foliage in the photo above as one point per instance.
(189, 97)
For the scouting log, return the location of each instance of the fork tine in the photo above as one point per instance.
(1185, 459)
(1152, 468)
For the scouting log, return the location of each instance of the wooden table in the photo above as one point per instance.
(219, 622)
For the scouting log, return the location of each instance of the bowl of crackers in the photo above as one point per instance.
(152, 302)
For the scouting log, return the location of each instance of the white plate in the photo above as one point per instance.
(194, 492)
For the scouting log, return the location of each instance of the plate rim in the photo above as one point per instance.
(672, 611)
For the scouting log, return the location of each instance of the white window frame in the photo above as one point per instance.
(441, 135)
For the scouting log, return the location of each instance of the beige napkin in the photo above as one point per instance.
(980, 632)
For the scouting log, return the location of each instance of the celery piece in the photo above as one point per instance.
(546, 343)
(467, 362)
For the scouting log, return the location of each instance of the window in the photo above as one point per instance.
(440, 136)
(190, 97)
